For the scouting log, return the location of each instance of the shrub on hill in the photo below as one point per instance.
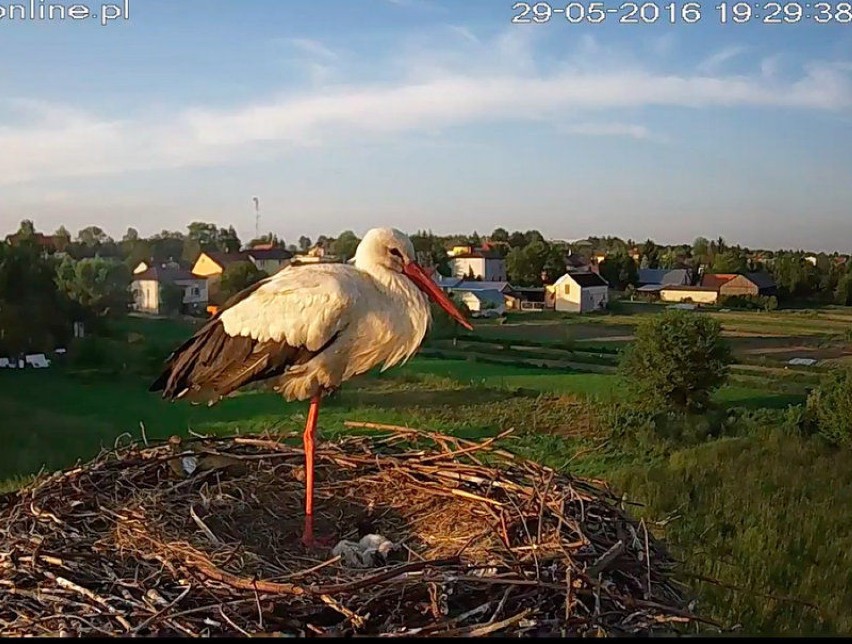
(829, 408)
(750, 302)
(677, 361)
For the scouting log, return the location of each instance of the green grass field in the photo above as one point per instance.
(764, 510)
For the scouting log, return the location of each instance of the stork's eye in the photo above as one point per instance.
(394, 251)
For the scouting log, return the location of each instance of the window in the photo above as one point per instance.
(195, 291)
(567, 289)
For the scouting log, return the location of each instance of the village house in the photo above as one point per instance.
(733, 284)
(652, 281)
(691, 294)
(526, 299)
(146, 287)
(268, 258)
(481, 300)
(49, 244)
(317, 254)
(716, 280)
(749, 284)
(485, 265)
(578, 292)
(211, 264)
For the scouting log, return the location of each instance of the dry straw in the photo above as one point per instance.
(486, 544)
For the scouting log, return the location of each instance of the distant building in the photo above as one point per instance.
(483, 265)
(269, 260)
(49, 244)
(664, 276)
(716, 280)
(481, 300)
(317, 254)
(146, 287)
(691, 294)
(144, 265)
(750, 284)
(579, 292)
(526, 299)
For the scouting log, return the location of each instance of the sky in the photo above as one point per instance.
(427, 114)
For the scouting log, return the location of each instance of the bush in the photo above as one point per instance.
(677, 361)
(752, 302)
(829, 408)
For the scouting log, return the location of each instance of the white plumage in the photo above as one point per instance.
(378, 315)
(311, 328)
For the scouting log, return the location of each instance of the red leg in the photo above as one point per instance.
(310, 430)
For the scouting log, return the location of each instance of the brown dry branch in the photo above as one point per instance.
(487, 544)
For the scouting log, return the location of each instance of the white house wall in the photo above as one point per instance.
(462, 267)
(699, 297)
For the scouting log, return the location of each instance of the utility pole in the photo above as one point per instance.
(256, 217)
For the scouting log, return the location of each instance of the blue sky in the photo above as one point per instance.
(427, 114)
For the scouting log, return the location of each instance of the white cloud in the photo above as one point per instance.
(770, 66)
(607, 129)
(55, 140)
(465, 33)
(312, 48)
(714, 62)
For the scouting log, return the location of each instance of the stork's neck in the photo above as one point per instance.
(395, 283)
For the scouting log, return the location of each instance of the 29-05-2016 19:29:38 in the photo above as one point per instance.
(766, 12)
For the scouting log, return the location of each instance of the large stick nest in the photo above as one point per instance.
(484, 542)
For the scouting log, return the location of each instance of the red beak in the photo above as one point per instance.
(426, 284)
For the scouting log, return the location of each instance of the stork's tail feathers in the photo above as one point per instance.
(192, 368)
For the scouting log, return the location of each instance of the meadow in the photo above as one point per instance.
(758, 509)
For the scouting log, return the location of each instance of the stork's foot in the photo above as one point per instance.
(313, 541)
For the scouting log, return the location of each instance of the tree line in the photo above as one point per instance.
(86, 277)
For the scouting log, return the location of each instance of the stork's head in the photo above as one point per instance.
(390, 249)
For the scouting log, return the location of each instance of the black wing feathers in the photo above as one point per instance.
(212, 364)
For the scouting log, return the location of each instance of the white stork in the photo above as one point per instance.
(310, 328)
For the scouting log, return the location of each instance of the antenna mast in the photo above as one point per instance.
(256, 217)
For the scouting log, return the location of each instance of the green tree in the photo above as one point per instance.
(304, 242)
(517, 239)
(843, 292)
(525, 265)
(554, 265)
(166, 246)
(500, 235)
(795, 276)
(532, 236)
(92, 236)
(619, 269)
(135, 252)
(235, 278)
(676, 362)
(96, 284)
(229, 241)
(26, 229)
(191, 250)
(829, 407)
(650, 253)
(430, 251)
(33, 314)
(701, 249)
(131, 235)
(345, 244)
(61, 239)
(730, 261)
(206, 235)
